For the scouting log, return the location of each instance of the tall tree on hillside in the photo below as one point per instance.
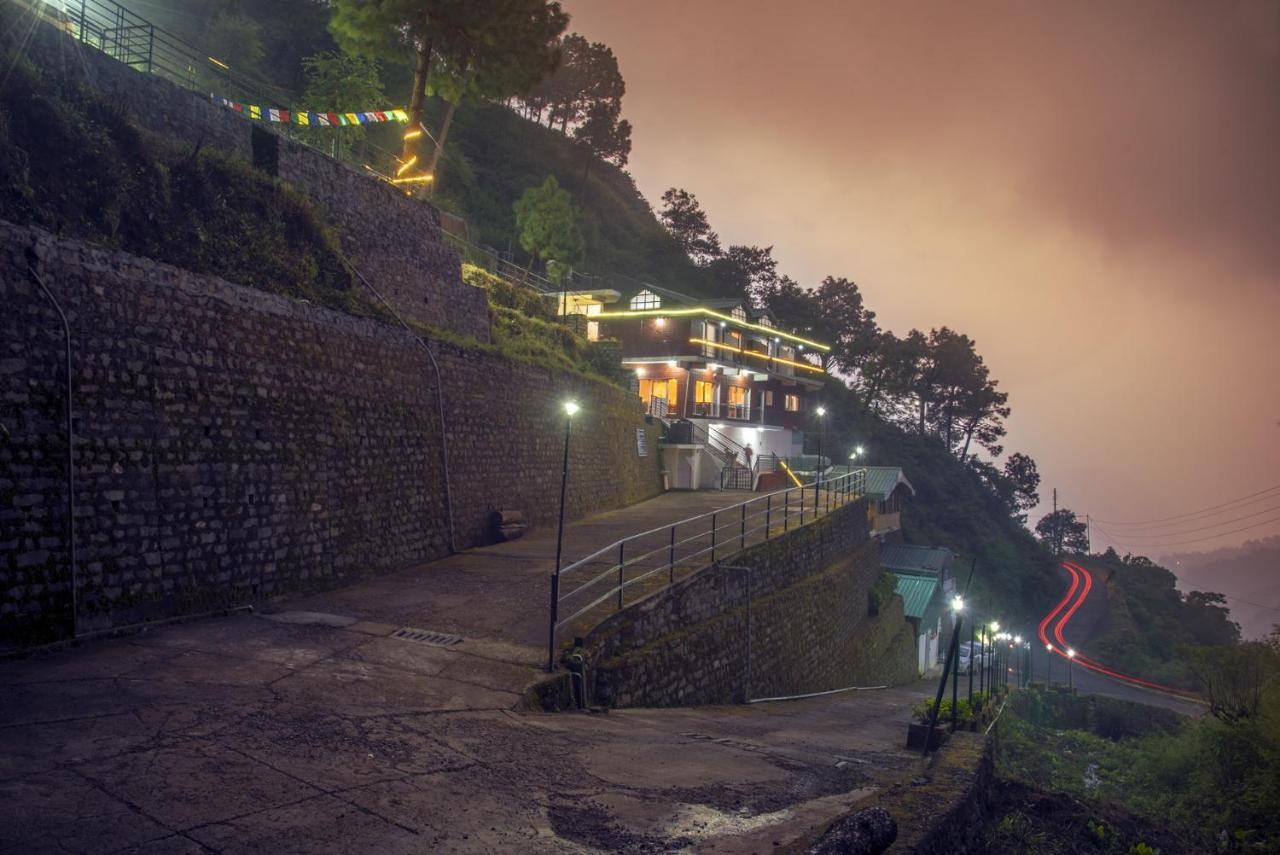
(832, 313)
(588, 76)
(548, 225)
(888, 372)
(503, 46)
(341, 82)
(847, 324)
(602, 134)
(686, 221)
(1023, 476)
(982, 409)
(744, 272)
(1062, 531)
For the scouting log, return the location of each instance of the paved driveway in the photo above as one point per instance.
(249, 734)
(502, 592)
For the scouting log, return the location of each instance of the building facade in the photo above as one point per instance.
(721, 364)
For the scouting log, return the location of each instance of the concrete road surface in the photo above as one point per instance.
(322, 733)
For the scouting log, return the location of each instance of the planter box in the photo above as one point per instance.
(916, 734)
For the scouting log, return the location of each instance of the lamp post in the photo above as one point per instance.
(1071, 676)
(957, 606)
(995, 654)
(570, 408)
(1048, 666)
(973, 651)
(1017, 640)
(822, 432)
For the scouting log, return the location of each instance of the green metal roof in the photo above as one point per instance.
(914, 559)
(916, 592)
(883, 480)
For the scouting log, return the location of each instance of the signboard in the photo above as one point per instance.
(642, 443)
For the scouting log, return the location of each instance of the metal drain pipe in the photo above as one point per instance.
(71, 461)
(435, 366)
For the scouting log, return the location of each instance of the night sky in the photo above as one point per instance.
(1090, 189)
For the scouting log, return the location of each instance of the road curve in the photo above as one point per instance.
(1053, 633)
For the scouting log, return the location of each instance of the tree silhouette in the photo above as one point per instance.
(1062, 531)
(548, 225)
(686, 221)
(498, 48)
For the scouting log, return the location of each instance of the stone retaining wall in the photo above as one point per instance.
(394, 241)
(232, 443)
(806, 598)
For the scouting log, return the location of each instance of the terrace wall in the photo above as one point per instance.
(232, 444)
(396, 242)
(790, 616)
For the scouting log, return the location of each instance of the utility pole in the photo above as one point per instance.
(1088, 534)
(1057, 525)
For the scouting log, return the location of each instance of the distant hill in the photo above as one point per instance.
(1248, 575)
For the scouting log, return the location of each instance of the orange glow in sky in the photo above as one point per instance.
(1091, 190)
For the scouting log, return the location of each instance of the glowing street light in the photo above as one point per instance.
(957, 604)
(1048, 667)
(570, 410)
(1071, 655)
(822, 432)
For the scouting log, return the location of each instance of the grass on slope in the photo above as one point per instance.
(73, 163)
(493, 156)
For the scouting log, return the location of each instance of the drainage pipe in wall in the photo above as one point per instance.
(435, 366)
(32, 257)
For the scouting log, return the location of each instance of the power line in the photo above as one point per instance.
(1147, 545)
(1242, 499)
(1219, 524)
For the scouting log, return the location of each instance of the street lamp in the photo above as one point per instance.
(957, 606)
(570, 408)
(822, 431)
(1071, 655)
(1048, 668)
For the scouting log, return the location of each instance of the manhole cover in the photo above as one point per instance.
(423, 636)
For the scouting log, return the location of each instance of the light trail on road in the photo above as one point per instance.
(1057, 620)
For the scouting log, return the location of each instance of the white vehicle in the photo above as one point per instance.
(966, 653)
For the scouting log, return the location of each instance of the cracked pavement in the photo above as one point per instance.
(301, 732)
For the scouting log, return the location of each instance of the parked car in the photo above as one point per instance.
(966, 653)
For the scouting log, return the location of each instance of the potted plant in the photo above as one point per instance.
(919, 733)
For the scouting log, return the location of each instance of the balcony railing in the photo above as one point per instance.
(736, 412)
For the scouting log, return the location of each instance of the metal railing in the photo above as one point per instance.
(491, 260)
(129, 38)
(588, 590)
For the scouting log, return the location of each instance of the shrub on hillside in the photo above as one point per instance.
(73, 163)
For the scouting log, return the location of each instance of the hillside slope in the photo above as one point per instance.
(493, 156)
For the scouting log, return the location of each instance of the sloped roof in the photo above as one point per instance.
(883, 480)
(916, 592)
(930, 560)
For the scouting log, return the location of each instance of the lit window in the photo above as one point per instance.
(739, 313)
(737, 402)
(704, 392)
(768, 397)
(646, 299)
(765, 321)
(792, 403)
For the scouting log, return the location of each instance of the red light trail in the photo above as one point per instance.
(1057, 619)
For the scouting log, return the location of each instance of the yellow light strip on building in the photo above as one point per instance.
(787, 469)
(220, 64)
(653, 313)
(410, 162)
(754, 353)
(413, 179)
